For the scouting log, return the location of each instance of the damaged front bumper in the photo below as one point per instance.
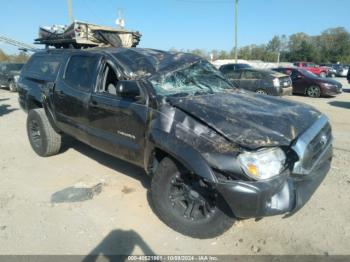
(283, 195)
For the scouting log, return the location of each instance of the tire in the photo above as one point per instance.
(261, 91)
(44, 140)
(323, 74)
(313, 91)
(12, 86)
(179, 203)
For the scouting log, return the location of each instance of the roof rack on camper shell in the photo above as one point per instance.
(84, 35)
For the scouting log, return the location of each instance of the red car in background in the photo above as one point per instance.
(313, 68)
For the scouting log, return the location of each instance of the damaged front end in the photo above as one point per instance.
(264, 155)
(278, 180)
(289, 191)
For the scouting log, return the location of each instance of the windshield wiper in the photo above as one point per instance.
(200, 93)
(180, 94)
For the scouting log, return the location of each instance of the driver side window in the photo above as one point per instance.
(294, 75)
(109, 81)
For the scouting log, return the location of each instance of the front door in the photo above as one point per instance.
(117, 125)
(299, 82)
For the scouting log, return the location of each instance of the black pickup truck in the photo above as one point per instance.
(214, 153)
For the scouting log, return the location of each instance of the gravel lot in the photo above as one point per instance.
(120, 220)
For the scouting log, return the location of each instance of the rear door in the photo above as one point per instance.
(234, 77)
(117, 125)
(73, 91)
(250, 80)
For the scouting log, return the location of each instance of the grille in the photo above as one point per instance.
(312, 145)
(315, 148)
(285, 82)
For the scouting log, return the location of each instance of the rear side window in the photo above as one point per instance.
(251, 75)
(234, 74)
(80, 72)
(45, 67)
(227, 69)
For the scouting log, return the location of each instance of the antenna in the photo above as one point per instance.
(120, 21)
(70, 11)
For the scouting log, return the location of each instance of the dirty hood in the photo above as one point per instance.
(250, 120)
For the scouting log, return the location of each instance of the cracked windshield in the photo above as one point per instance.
(196, 79)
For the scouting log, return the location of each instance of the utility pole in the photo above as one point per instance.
(236, 31)
(70, 11)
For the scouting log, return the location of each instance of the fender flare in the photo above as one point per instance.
(182, 152)
(49, 114)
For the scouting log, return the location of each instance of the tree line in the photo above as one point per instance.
(21, 57)
(331, 46)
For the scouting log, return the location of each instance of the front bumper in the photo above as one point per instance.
(331, 91)
(283, 195)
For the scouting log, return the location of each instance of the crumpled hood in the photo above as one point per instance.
(250, 120)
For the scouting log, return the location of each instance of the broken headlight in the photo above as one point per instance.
(263, 164)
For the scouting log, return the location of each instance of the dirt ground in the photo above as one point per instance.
(119, 220)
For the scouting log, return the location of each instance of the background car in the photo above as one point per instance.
(9, 73)
(313, 68)
(260, 81)
(342, 70)
(332, 72)
(310, 84)
(348, 77)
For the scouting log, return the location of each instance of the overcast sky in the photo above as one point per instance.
(182, 24)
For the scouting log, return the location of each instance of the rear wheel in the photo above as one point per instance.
(261, 91)
(12, 86)
(187, 203)
(44, 140)
(323, 74)
(313, 91)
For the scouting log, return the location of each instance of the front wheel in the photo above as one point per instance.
(44, 140)
(187, 203)
(12, 86)
(313, 91)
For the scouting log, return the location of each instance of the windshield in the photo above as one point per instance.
(195, 79)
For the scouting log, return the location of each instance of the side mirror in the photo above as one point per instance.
(128, 89)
